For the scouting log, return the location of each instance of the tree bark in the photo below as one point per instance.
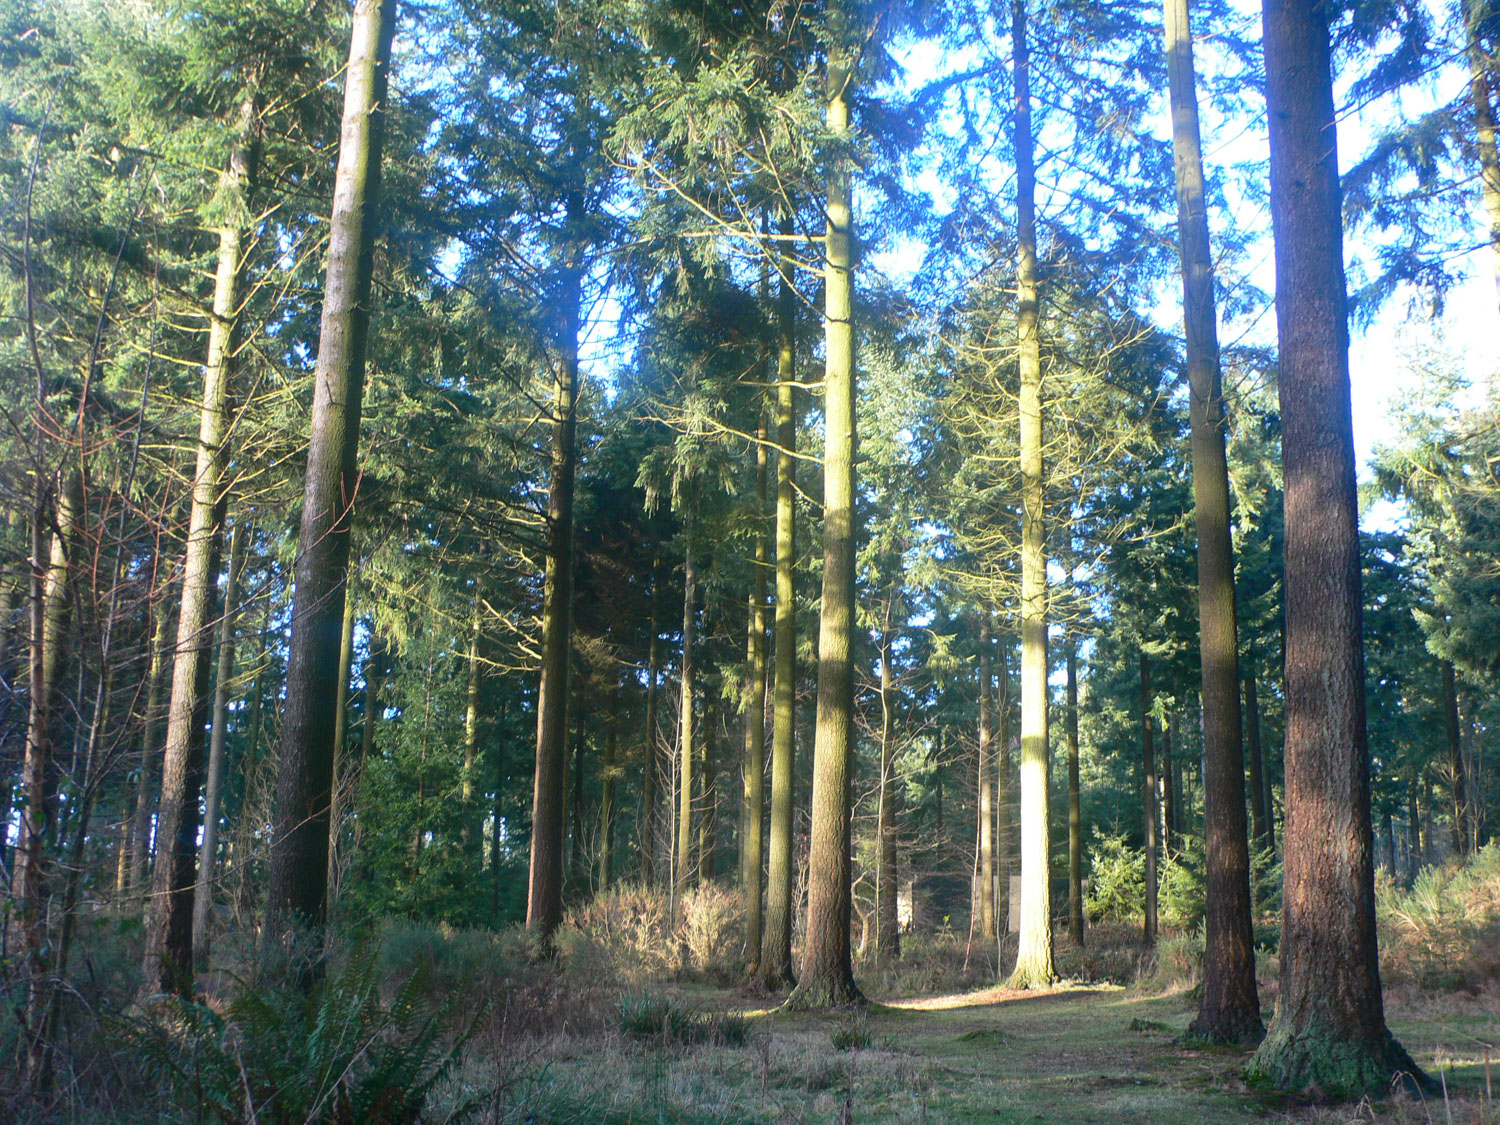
(1228, 1006)
(887, 923)
(169, 937)
(209, 851)
(1329, 1029)
(650, 778)
(50, 603)
(1148, 792)
(339, 789)
(686, 752)
(1458, 826)
(752, 818)
(1259, 828)
(985, 904)
(827, 966)
(776, 945)
(297, 894)
(1034, 966)
(472, 829)
(1075, 808)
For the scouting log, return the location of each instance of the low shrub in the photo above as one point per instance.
(1181, 893)
(620, 937)
(852, 1034)
(712, 931)
(1117, 879)
(1443, 932)
(665, 1019)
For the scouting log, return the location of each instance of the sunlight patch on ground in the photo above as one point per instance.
(986, 997)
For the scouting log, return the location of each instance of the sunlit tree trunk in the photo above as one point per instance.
(1005, 795)
(297, 894)
(827, 968)
(776, 946)
(472, 827)
(985, 892)
(339, 790)
(169, 936)
(1329, 1030)
(1148, 791)
(1228, 1007)
(1460, 810)
(1075, 808)
(752, 814)
(887, 925)
(1034, 967)
(208, 852)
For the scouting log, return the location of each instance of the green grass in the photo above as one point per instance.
(1095, 1054)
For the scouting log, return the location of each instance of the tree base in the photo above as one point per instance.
(1331, 1067)
(824, 992)
(1224, 1032)
(1029, 976)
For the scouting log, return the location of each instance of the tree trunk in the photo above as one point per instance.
(752, 816)
(208, 852)
(1259, 831)
(140, 848)
(708, 787)
(1005, 804)
(472, 828)
(297, 895)
(169, 938)
(650, 778)
(1459, 825)
(607, 781)
(827, 967)
(1168, 801)
(1148, 791)
(887, 924)
(683, 862)
(776, 946)
(1034, 967)
(339, 790)
(578, 876)
(49, 614)
(1228, 1005)
(1482, 96)
(985, 903)
(1075, 808)
(1329, 1029)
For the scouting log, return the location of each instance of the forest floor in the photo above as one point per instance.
(1097, 1053)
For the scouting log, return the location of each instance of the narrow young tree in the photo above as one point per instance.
(827, 966)
(887, 921)
(1148, 798)
(169, 936)
(776, 945)
(1329, 1030)
(650, 777)
(752, 812)
(298, 887)
(1034, 966)
(683, 868)
(985, 906)
(1228, 1006)
(1075, 808)
(608, 778)
(1454, 768)
(213, 789)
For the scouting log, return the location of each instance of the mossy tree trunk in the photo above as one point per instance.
(1329, 1030)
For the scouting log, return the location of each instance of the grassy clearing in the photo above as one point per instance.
(1076, 1054)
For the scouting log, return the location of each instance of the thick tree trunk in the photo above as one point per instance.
(827, 968)
(1034, 967)
(545, 888)
(1459, 826)
(985, 892)
(887, 925)
(1329, 1030)
(776, 946)
(650, 777)
(752, 814)
(1228, 1006)
(297, 895)
(686, 727)
(1148, 792)
(49, 616)
(169, 937)
(218, 739)
(1075, 808)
